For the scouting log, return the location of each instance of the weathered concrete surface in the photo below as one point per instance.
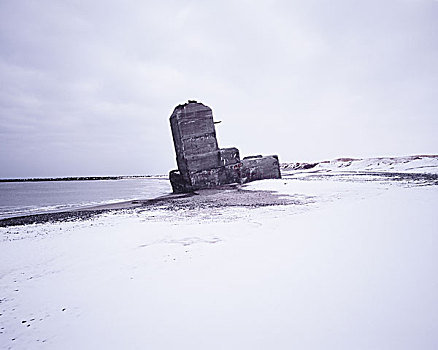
(229, 156)
(216, 177)
(201, 163)
(258, 168)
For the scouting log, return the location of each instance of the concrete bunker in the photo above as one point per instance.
(201, 163)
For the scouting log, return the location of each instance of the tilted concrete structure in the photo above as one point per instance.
(201, 163)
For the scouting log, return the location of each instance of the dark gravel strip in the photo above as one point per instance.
(50, 217)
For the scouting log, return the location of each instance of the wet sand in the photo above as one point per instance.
(225, 196)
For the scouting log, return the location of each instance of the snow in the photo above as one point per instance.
(352, 267)
(411, 164)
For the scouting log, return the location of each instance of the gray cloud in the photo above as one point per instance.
(87, 87)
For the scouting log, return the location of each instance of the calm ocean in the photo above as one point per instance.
(24, 198)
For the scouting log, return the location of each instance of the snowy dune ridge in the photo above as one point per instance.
(427, 164)
(333, 263)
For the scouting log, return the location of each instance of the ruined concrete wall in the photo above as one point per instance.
(258, 168)
(229, 156)
(201, 164)
(216, 177)
(194, 137)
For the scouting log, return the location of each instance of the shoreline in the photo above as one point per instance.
(85, 178)
(225, 196)
(81, 213)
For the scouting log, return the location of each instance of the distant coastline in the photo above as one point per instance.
(82, 178)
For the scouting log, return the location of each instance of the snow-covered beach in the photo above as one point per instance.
(338, 255)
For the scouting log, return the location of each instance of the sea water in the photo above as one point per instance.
(35, 197)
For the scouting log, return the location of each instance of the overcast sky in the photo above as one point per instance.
(87, 87)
